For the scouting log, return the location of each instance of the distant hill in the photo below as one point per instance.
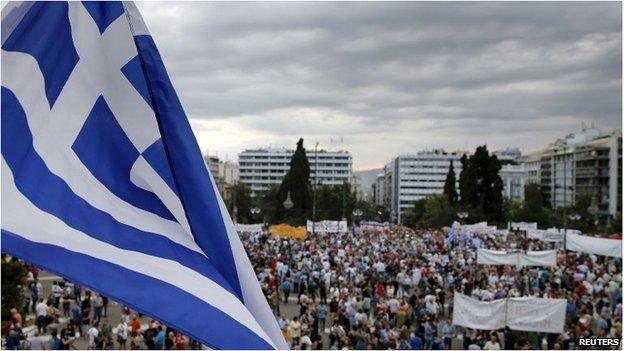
(367, 178)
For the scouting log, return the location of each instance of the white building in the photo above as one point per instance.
(586, 161)
(224, 173)
(419, 175)
(260, 168)
(377, 189)
(514, 179)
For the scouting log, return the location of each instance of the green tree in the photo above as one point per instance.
(413, 216)
(268, 203)
(242, 202)
(297, 183)
(532, 208)
(449, 186)
(481, 186)
(615, 225)
(437, 213)
(13, 273)
(468, 194)
(581, 209)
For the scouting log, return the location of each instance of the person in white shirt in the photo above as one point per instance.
(41, 310)
(122, 334)
(492, 344)
(93, 334)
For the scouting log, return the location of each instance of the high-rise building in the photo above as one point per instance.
(416, 176)
(261, 168)
(588, 161)
(224, 173)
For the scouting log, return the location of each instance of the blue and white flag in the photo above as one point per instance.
(103, 181)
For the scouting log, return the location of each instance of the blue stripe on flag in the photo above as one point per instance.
(45, 33)
(133, 72)
(147, 295)
(52, 194)
(103, 146)
(104, 12)
(197, 194)
(156, 157)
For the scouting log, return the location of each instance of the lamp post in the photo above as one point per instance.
(462, 215)
(254, 211)
(314, 187)
(357, 213)
(288, 204)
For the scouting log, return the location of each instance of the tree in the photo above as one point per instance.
(413, 216)
(332, 202)
(297, 183)
(449, 186)
(13, 273)
(481, 186)
(437, 213)
(615, 224)
(269, 203)
(468, 194)
(532, 208)
(241, 201)
(581, 208)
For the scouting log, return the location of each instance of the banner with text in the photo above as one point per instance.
(536, 314)
(475, 314)
(521, 259)
(249, 228)
(327, 227)
(550, 235)
(592, 245)
(524, 313)
(522, 225)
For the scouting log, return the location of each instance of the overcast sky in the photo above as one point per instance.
(381, 78)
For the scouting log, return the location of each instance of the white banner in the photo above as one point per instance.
(327, 227)
(524, 313)
(475, 314)
(538, 258)
(250, 228)
(535, 314)
(493, 257)
(592, 245)
(523, 226)
(530, 258)
(550, 235)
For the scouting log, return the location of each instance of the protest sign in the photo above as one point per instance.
(472, 313)
(536, 314)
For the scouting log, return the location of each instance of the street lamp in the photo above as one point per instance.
(574, 216)
(357, 212)
(288, 204)
(462, 215)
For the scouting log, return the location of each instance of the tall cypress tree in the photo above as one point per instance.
(480, 184)
(297, 182)
(449, 186)
(468, 194)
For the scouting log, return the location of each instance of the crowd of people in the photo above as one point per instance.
(72, 317)
(394, 289)
(383, 289)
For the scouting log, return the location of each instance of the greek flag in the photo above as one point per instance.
(103, 181)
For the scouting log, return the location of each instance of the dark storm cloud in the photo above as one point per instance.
(392, 77)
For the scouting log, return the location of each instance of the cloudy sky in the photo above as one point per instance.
(382, 78)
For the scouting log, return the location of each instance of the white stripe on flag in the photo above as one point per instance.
(20, 216)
